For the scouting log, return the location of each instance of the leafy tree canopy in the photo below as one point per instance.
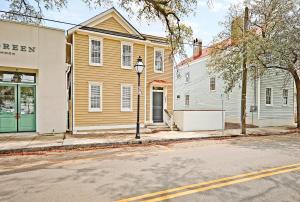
(169, 12)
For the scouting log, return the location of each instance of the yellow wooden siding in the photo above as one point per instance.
(167, 76)
(111, 76)
(111, 24)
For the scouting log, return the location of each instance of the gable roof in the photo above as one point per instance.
(85, 25)
(205, 52)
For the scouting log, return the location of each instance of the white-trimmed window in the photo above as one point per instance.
(158, 60)
(187, 100)
(212, 83)
(187, 77)
(95, 97)
(269, 96)
(95, 51)
(285, 96)
(126, 97)
(126, 55)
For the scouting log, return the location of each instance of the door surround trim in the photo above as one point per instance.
(164, 91)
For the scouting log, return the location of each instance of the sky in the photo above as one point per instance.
(204, 22)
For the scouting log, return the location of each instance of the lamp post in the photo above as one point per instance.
(139, 67)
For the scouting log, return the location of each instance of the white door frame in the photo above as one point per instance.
(165, 101)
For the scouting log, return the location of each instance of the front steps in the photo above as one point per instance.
(161, 127)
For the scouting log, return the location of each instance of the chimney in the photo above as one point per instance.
(197, 48)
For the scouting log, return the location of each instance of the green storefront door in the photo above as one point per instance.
(8, 108)
(17, 108)
(26, 108)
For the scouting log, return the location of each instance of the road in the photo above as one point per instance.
(211, 170)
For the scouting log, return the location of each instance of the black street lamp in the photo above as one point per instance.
(139, 67)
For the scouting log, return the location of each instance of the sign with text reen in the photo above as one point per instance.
(13, 48)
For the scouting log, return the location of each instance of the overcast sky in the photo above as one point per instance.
(205, 22)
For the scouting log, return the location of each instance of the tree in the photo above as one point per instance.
(273, 42)
(169, 12)
(277, 46)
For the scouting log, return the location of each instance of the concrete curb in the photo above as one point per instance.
(108, 144)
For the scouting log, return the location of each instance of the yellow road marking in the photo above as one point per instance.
(220, 185)
(205, 183)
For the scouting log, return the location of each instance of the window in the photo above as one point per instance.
(126, 98)
(268, 96)
(158, 60)
(95, 97)
(95, 49)
(178, 75)
(126, 55)
(212, 83)
(178, 96)
(187, 77)
(285, 96)
(187, 100)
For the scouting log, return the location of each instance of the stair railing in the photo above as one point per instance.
(169, 119)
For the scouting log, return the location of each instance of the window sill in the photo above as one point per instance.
(159, 72)
(96, 64)
(95, 110)
(126, 67)
(126, 110)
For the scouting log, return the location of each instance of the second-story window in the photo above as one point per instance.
(126, 55)
(187, 77)
(212, 83)
(95, 51)
(158, 60)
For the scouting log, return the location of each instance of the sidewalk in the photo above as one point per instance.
(32, 142)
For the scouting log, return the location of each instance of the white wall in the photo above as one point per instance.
(199, 120)
(48, 61)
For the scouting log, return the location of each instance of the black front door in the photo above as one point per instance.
(158, 102)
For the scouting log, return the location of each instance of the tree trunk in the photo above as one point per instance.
(297, 82)
(244, 79)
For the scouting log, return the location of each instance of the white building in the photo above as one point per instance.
(270, 99)
(32, 79)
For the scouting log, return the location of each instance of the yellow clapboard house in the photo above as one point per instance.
(102, 83)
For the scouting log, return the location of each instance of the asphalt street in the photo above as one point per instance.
(238, 169)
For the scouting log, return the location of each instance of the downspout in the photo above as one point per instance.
(70, 69)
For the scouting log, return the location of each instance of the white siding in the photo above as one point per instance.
(201, 98)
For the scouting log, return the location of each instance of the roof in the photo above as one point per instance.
(101, 15)
(156, 39)
(134, 34)
(205, 52)
(104, 31)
